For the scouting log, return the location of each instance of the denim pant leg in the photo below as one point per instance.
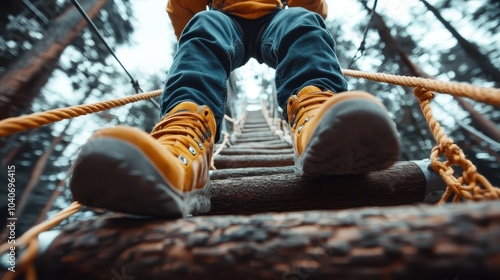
(297, 44)
(209, 48)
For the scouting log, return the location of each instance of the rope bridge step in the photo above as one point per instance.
(448, 242)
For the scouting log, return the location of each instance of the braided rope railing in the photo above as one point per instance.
(278, 126)
(221, 147)
(470, 185)
(480, 94)
(21, 123)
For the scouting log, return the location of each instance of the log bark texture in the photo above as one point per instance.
(278, 144)
(239, 161)
(249, 151)
(249, 172)
(403, 183)
(257, 139)
(459, 241)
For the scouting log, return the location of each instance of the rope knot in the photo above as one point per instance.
(423, 94)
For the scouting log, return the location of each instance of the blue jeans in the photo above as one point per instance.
(293, 41)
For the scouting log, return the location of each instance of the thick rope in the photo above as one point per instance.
(471, 185)
(221, 147)
(480, 94)
(22, 123)
(278, 126)
(236, 123)
(30, 240)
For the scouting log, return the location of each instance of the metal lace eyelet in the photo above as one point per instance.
(183, 159)
(300, 128)
(192, 150)
(198, 143)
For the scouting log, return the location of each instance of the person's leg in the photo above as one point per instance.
(346, 133)
(302, 50)
(210, 47)
(166, 173)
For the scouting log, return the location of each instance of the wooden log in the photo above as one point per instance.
(258, 139)
(220, 174)
(277, 144)
(457, 241)
(403, 183)
(248, 151)
(254, 121)
(255, 130)
(239, 161)
(255, 126)
(256, 134)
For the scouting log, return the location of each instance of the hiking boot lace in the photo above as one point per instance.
(183, 127)
(306, 103)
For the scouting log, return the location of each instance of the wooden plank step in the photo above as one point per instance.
(255, 135)
(247, 151)
(255, 130)
(256, 121)
(270, 139)
(256, 125)
(403, 183)
(239, 161)
(281, 145)
(220, 174)
(276, 141)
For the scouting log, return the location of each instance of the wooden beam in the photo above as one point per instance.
(403, 183)
(239, 161)
(220, 174)
(278, 144)
(257, 139)
(458, 241)
(249, 151)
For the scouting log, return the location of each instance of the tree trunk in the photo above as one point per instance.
(24, 78)
(470, 49)
(456, 241)
(485, 125)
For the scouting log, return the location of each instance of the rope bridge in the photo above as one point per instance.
(469, 186)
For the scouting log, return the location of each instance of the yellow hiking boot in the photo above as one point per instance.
(164, 173)
(346, 133)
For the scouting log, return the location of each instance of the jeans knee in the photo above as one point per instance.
(300, 16)
(206, 23)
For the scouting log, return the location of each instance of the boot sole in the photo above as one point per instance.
(111, 173)
(353, 137)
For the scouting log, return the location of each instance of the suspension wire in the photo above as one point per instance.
(135, 83)
(36, 11)
(359, 53)
(94, 29)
